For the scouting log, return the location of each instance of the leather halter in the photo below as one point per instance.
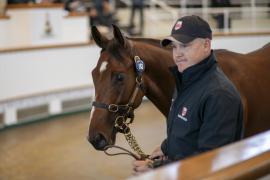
(126, 111)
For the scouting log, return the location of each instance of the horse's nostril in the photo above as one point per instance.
(98, 137)
(98, 141)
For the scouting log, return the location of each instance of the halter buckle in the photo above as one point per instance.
(128, 121)
(118, 123)
(139, 80)
(113, 108)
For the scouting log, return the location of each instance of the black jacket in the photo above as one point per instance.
(206, 111)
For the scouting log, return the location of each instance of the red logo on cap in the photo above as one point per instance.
(178, 25)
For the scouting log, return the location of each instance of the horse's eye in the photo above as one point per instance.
(120, 77)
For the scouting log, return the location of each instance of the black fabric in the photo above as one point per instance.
(193, 26)
(188, 28)
(206, 111)
(100, 105)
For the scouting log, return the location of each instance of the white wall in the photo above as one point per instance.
(25, 73)
(240, 44)
(26, 27)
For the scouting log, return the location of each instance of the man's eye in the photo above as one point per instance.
(184, 45)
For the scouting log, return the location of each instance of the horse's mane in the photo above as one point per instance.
(114, 47)
(266, 45)
(154, 42)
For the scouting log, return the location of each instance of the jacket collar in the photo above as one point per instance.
(194, 72)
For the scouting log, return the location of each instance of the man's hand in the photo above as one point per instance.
(141, 166)
(157, 154)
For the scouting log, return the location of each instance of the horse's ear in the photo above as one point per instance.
(100, 40)
(119, 36)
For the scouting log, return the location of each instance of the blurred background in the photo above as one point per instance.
(46, 88)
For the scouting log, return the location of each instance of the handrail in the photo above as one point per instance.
(230, 9)
(76, 14)
(247, 158)
(253, 168)
(233, 2)
(206, 11)
(70, 45)
(42, 94)
(40, 47)
(32, 5)
(226, 11)
(4, 17)
(165, 7)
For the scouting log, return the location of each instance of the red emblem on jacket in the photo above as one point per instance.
(184, 111)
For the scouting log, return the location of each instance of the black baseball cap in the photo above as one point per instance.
(187, 29)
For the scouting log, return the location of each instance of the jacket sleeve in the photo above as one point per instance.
(221, 115)
(164, 147)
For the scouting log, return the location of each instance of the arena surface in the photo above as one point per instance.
(57, 148)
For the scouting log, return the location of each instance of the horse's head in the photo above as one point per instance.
(115, 82)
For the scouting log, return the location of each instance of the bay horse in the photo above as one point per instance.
(115, 79)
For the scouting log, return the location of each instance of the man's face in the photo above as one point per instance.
(186, 55)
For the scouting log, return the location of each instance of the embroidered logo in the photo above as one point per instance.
(183, 113)
(178, 25)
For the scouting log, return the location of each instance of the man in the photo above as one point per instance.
(220, 16)
(206, 110)
(137, 5)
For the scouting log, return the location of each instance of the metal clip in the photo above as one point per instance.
(113, 108)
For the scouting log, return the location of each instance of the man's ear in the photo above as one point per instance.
(207, 44)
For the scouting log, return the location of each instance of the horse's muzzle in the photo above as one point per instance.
(98, 141)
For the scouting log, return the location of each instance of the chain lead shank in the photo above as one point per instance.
(134, 145)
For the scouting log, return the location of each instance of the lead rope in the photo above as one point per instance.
(125, 151)
(135, 146)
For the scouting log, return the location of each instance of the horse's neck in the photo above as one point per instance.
(264, 51)
(158, 80)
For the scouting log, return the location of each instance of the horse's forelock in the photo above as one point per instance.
(116, 49)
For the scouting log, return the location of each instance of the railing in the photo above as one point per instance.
(53, 102)
(233, 2)
(253, 14)
(45, 88)
(248, 13)
(247, 159)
